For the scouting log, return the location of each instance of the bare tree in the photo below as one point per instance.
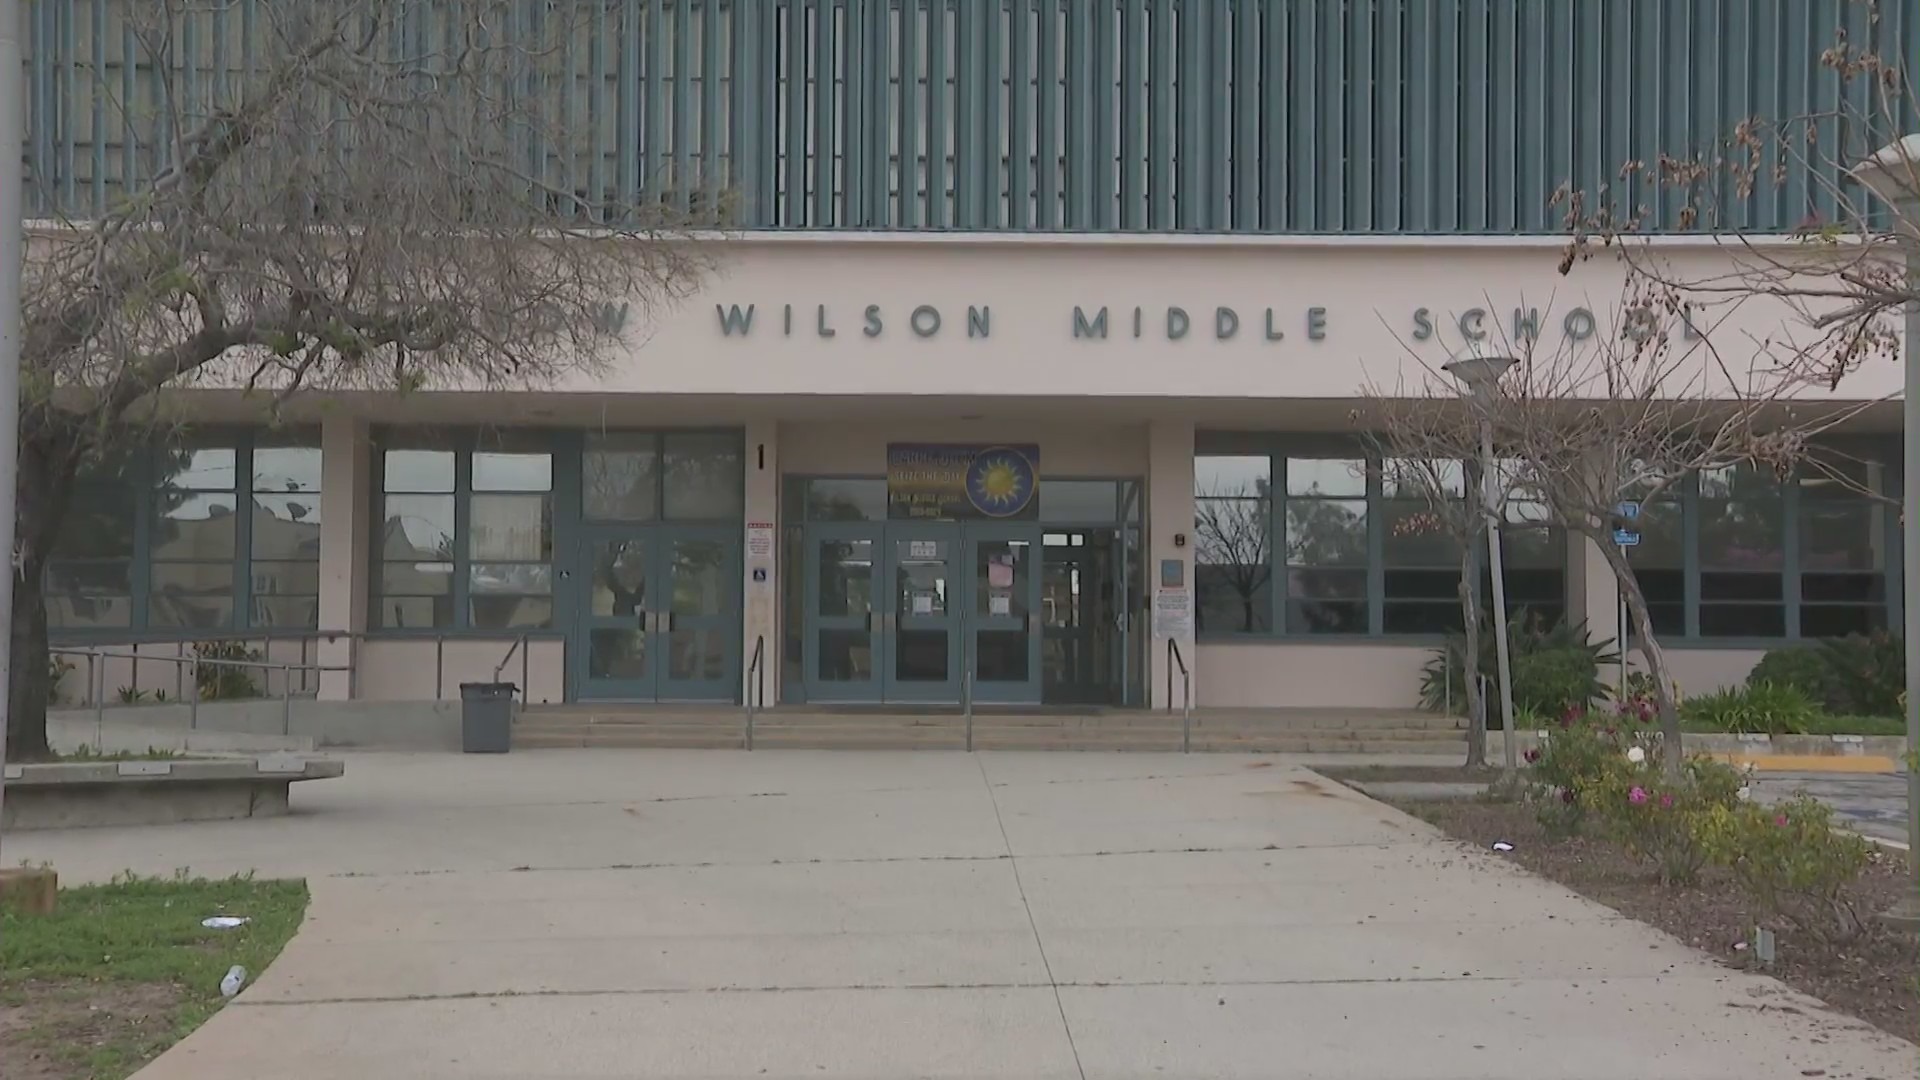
(389, 195)
(1233, 538)
(1424, 445)
(1634, 413)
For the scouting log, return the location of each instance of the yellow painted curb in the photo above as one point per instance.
(1815, 763)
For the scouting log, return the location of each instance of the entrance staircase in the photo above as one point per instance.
(823, 727)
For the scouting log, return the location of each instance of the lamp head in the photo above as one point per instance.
(1479, 367)
(1893, 171)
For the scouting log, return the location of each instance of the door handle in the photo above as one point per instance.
(869, 620)
(646, 621)
(666, 619)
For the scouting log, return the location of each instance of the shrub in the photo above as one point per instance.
(1556, 666)
(1791, 863)
(1868, 673)
(1800, 667)
(1581, 755)
(57, 668)
(1657, 819)
(1762, 707)
(224, 682)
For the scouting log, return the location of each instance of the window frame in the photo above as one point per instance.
(140, 482)
(1688, 499)
(1278, 452)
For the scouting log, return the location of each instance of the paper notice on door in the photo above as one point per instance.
(923, 604)
(999, 605)
(923, 549)
(759, 540)
(1173, 614)
(1000, 575)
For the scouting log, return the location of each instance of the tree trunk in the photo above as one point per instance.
(31, 683)
(1470, 668)
(42, 494)
(1673, 755)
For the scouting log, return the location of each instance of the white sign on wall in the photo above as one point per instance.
(759, 540)
(1173, 613)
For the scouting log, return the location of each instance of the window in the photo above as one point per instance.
(1420, 545)
(1844, 535)
(1738, 554)
(1326, 538)
(90, 576)
(1533, 556)
(675, 476)
(466, 535)
(156, 541)
(1233, 544)
(284, 568)
(1361, 550)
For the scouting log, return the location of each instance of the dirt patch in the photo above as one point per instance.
(73, 1029)
(1876, 978)
(1428, 774)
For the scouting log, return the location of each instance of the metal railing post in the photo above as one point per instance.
(97, 675)
(439, 666)
(193, 701)
(286, 701)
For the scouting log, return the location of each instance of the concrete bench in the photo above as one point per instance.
(67, 796)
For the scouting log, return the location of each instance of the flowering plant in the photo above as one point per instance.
(1579, 754)
(1657, 818)
(1791, 862)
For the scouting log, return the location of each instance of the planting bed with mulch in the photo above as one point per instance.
(1875, 977)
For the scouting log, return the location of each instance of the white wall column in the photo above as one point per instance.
(1169, 537)
(761, 587)
(345, 536)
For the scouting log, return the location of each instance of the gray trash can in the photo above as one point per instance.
(486, 717)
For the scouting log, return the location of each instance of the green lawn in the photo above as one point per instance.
(1824, 724)
(123, 971)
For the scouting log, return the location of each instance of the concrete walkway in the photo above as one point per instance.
(713, 914)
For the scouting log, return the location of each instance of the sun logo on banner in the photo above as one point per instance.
(1000, 482)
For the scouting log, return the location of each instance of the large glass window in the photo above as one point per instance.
(466, 535)
(1742, 554)
(672, 476)
(90, 575)
(1233, 544)
(1360, 548)
(1326, 552)
(1420, 545)
(157, 540)
(1843, 537)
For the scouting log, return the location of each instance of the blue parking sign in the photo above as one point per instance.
(1627, 535)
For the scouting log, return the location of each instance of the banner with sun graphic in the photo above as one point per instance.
(950, 481)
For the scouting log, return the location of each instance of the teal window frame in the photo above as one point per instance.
(1277, 453)
(1792, 602)
(139, 483)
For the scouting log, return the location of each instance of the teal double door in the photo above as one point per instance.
(659, 612)
(914, 612)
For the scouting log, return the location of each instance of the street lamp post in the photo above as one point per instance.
(1893, 173)
(12, 254)
(1479, 369)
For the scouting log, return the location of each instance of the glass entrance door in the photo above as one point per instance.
(660, 614)
(1003, 611)
(922, 613)
(846, 603)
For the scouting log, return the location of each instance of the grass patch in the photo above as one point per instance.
(122, 971)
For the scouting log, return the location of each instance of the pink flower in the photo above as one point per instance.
(1532, 756)
(1780, 820)
(1637, 796)
(1666, 802)
(1566, 795)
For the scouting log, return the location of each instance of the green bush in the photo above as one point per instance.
(1582, 754)
(1802, 667)
(1867, 672)
(1658, 819)
(224, 682)
(1791, 863)
(1763, 708)
(1556, 668)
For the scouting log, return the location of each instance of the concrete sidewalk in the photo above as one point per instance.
(712, 914)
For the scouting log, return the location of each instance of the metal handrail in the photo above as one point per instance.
(1174, 659)
(521, 646)
(97, 679)
(756, 682)
(966, 684)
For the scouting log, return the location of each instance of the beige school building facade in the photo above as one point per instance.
(921, 469)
